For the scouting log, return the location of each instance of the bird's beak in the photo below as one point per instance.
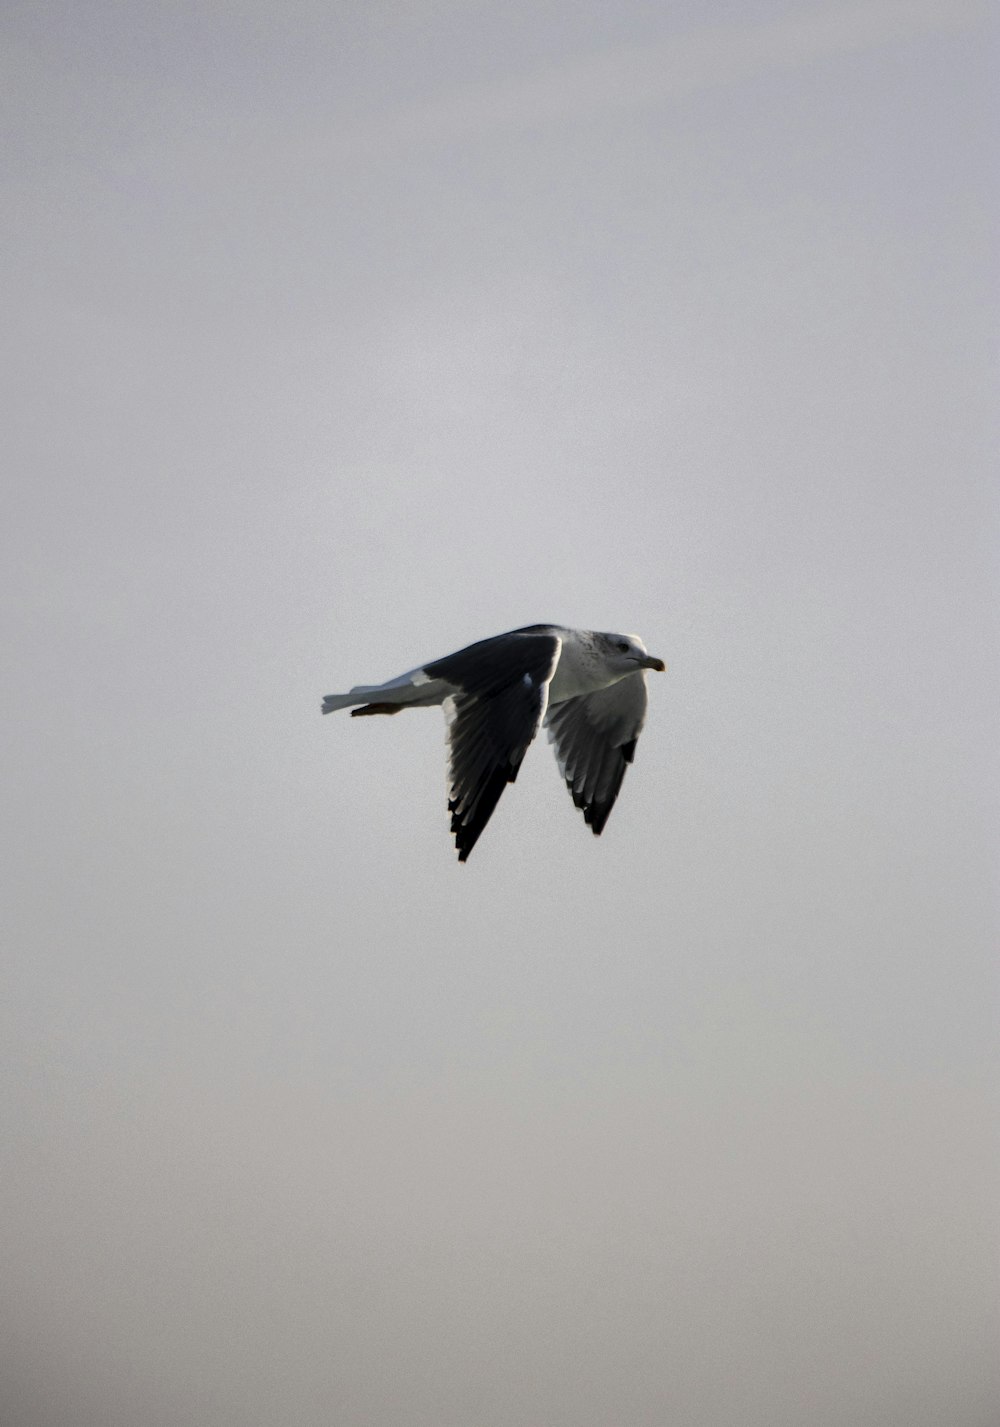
(649, 661)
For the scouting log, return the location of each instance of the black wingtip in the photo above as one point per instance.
(465, 835)
(467, 826)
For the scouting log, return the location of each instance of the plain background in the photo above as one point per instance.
(338, 335)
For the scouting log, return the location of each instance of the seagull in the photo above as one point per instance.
(590, 688)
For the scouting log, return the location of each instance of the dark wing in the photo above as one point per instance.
(595, 737)
(501, 692)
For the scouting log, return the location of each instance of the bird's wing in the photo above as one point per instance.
(595, 737)
(501, 689)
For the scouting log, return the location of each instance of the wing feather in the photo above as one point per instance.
(501, 689)
(595, 737)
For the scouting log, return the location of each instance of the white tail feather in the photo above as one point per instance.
(414, 689)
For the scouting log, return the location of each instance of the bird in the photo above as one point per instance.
(589, 687)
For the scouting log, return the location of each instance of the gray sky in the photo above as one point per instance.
(336, 337)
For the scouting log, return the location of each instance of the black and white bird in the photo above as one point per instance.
(589, 687)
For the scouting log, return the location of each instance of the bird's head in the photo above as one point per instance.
(627, 653)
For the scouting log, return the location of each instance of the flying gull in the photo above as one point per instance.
(590, 688)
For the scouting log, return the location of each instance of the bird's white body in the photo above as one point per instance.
(579, 670)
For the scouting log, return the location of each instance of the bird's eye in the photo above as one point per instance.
(623, 646)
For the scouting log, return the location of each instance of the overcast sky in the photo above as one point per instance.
(339, 334)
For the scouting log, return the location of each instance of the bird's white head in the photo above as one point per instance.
(627, 653)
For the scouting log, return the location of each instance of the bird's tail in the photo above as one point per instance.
(360, 695)
(409, 690)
